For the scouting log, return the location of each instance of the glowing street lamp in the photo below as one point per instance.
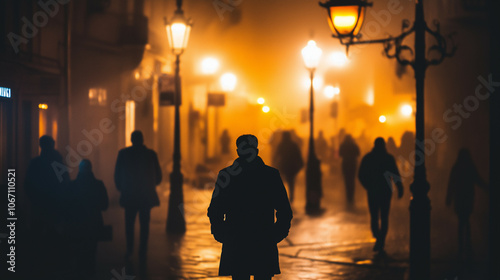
(261, 100)
(209, 65)
(265, 109)
(382, 119)
(228, 82)
(178, 29)
(345, 18)
(406, 110)
(311, 55)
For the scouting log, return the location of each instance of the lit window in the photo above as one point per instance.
(98, 96)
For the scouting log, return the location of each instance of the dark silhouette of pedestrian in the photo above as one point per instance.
(321, 147)
(46, 179)
(224, 142)
(288, 160)
(88, 198)
(463, 178)
(349, 152)
(392, 149)
(242, 211)
(405, 150)
(137, 173)
(377, 172)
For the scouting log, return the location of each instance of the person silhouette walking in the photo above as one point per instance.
(288, 160)
(88, 198)
(137, 173)
(349, 152)
(377, 171)
(46, 180)
(246, 197)
(463, 178)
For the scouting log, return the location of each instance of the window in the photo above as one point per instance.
(98, 96)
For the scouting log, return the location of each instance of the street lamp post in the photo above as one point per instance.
(311, 55)
(178, 29)
(346, 19)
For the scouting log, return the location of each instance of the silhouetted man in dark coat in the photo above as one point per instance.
(46, 179)
(288, 160)
(463, 178)
(242, 214)
(88, 198)
(137, 173)
(349, 152)
(377, 171)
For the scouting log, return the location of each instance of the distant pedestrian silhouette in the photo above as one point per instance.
(321, 147)
(88, 198)
(46, 179)
(463, 178)
(377, 171)
(405, 150)
(241, 213)
(288, 160)
(349, 152)
(225, 141)
(137, 173)
(392, 149)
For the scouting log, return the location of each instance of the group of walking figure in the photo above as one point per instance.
(249, 213)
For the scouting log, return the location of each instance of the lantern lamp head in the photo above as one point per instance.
(346, 17)
(178, 30)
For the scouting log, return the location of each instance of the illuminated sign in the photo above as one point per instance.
(5, 92)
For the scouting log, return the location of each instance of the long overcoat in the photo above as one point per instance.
(246, 198)
(137, 173)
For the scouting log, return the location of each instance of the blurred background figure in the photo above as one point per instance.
(377, 171)
(349, 152)
(46, 178)
(88, 198)
(288, 160)
(406, 147)
(137, 173)
(392, 149)
(225, 140)
(463, 178)
(321, 147)
(333, 156)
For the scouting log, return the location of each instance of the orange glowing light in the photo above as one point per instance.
(406, 110)
(382, 119)
(43, 106)
(345, 20)
(261, 100)
(266, 109)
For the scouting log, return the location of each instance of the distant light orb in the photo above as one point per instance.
(265, 109)
(338, 59)
(336, 91)
(43, 106)
(382, 119)
(329, 92)
(406, 110)
(209, 65)
(261, 100)
(228, 81)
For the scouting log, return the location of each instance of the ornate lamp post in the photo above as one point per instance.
(311, 55)
(178, 29)
(346, 19)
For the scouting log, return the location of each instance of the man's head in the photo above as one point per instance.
(137, 138)
(379, 144)
(47, 143)
(247, 146)
(85, 166)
